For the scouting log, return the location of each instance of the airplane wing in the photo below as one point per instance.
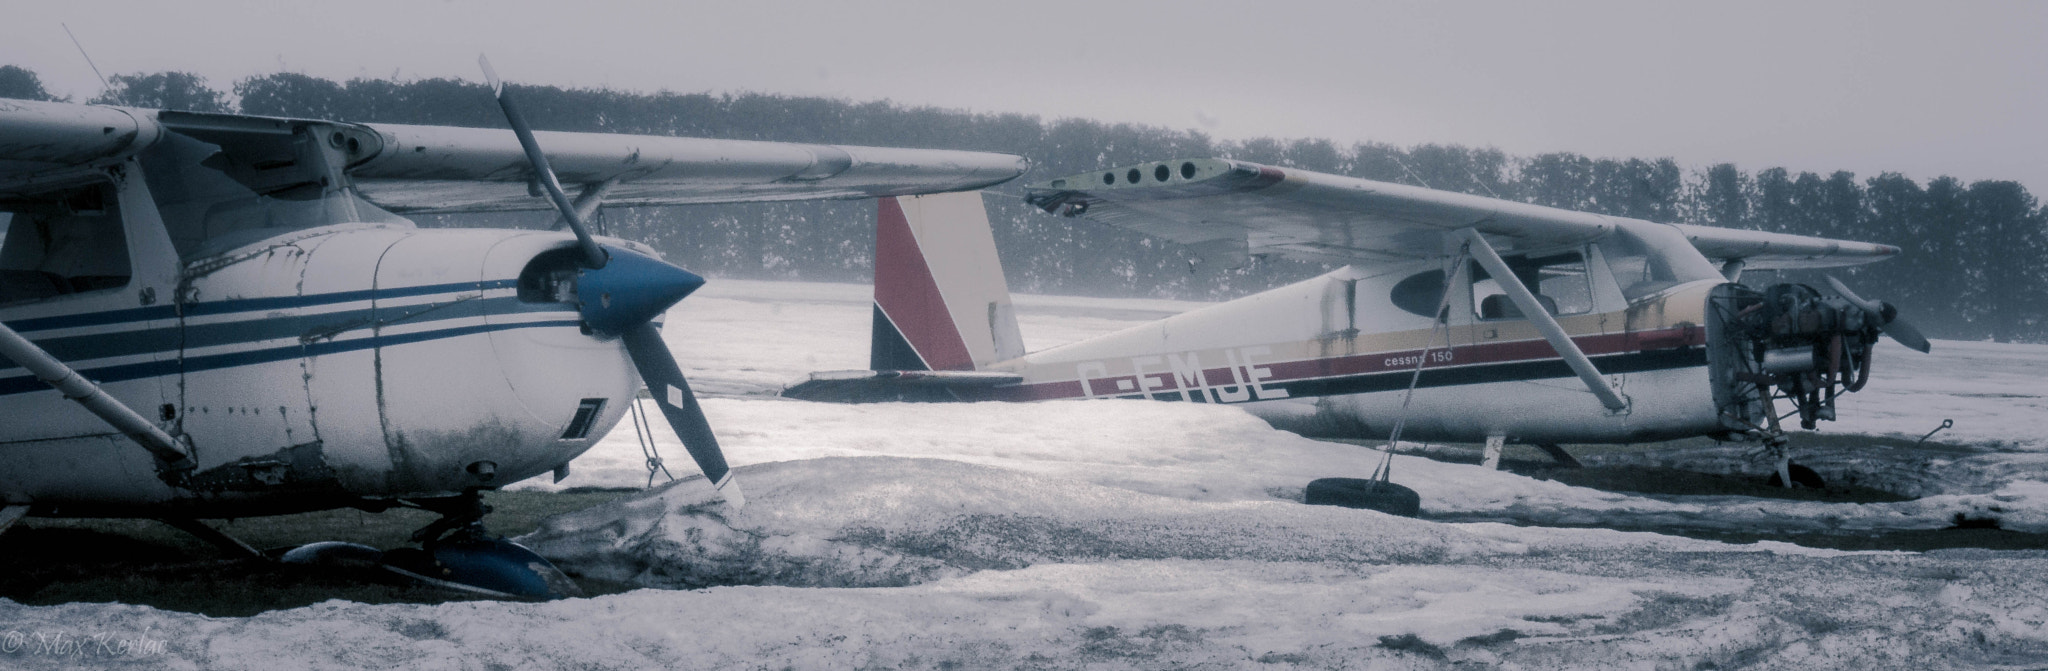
(48, 145)
(444, 169)
(1238, 207)
(1759, 250)
(449, 169)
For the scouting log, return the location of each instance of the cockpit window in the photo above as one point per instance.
(62, 243)
(1557, 280)
(1648, 258)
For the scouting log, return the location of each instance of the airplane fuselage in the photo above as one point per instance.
(1299, 356)
(320, 367)
(1631, 336)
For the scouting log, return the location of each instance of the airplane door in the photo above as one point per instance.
(69, 283)
(82, 276)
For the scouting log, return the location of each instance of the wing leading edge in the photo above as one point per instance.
(1226, 205)
(449, 169)
(45, 144)
(444, 169)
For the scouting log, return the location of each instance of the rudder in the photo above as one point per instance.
(941, 302)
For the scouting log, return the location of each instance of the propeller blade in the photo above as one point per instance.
(1875, 308)
(672, 394)
(593, 256)
(625, 300)
(1896, 327)
(1906, 334)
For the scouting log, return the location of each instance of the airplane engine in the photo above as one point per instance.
(449, 375)
(1791, 341)
(520, 387)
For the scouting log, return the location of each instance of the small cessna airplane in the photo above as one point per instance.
(1458, 318)
(217, 315)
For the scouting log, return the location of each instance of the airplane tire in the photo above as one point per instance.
(1802, 476)
(1385, 497)
(332, 553)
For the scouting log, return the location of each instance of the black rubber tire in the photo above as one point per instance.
(1802, 476)
(1384, 497)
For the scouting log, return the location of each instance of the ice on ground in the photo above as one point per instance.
(1112, 578)
(1201, 452)
(751, 338)
(884, 521)
(1134, 614)
(890, 521)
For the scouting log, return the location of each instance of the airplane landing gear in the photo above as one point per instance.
(1558, 454)
(456, 552)
(1801, 475)
(1787, 474)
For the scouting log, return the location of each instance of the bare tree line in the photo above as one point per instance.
(1975, 264)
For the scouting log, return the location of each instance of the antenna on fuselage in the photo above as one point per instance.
(104, 86)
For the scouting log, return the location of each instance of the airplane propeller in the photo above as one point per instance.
(620, 293)
(1886, 316)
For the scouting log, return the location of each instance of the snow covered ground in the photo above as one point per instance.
(746, 340)
(1131, 534)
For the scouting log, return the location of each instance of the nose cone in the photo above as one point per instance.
(630, 290)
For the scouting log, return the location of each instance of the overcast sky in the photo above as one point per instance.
(1925, 89)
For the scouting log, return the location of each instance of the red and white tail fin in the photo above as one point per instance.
(940, 299)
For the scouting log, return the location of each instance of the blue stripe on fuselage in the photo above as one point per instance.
(316, 332)
(28, 383)
(245, 305)
(309, 328)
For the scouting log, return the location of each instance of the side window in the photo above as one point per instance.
(1650, 258)
(1419, 293)
(1639, 274)
(62, 243)
(1558, 281)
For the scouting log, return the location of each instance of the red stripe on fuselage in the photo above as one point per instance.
(1165, 380)
(909, 295)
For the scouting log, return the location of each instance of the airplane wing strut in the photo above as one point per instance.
(1538, 316)
(173, 455)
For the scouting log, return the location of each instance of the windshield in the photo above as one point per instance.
(215, 197)
(1646, 258)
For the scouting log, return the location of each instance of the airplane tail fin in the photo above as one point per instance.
(941, 303)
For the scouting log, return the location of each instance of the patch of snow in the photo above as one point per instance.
(1201, 452)
(1995, 392)
(885, 521)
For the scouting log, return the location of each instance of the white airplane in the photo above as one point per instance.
(219, 316)
(1458, 318)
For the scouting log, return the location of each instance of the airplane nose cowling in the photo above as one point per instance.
(631, 289)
